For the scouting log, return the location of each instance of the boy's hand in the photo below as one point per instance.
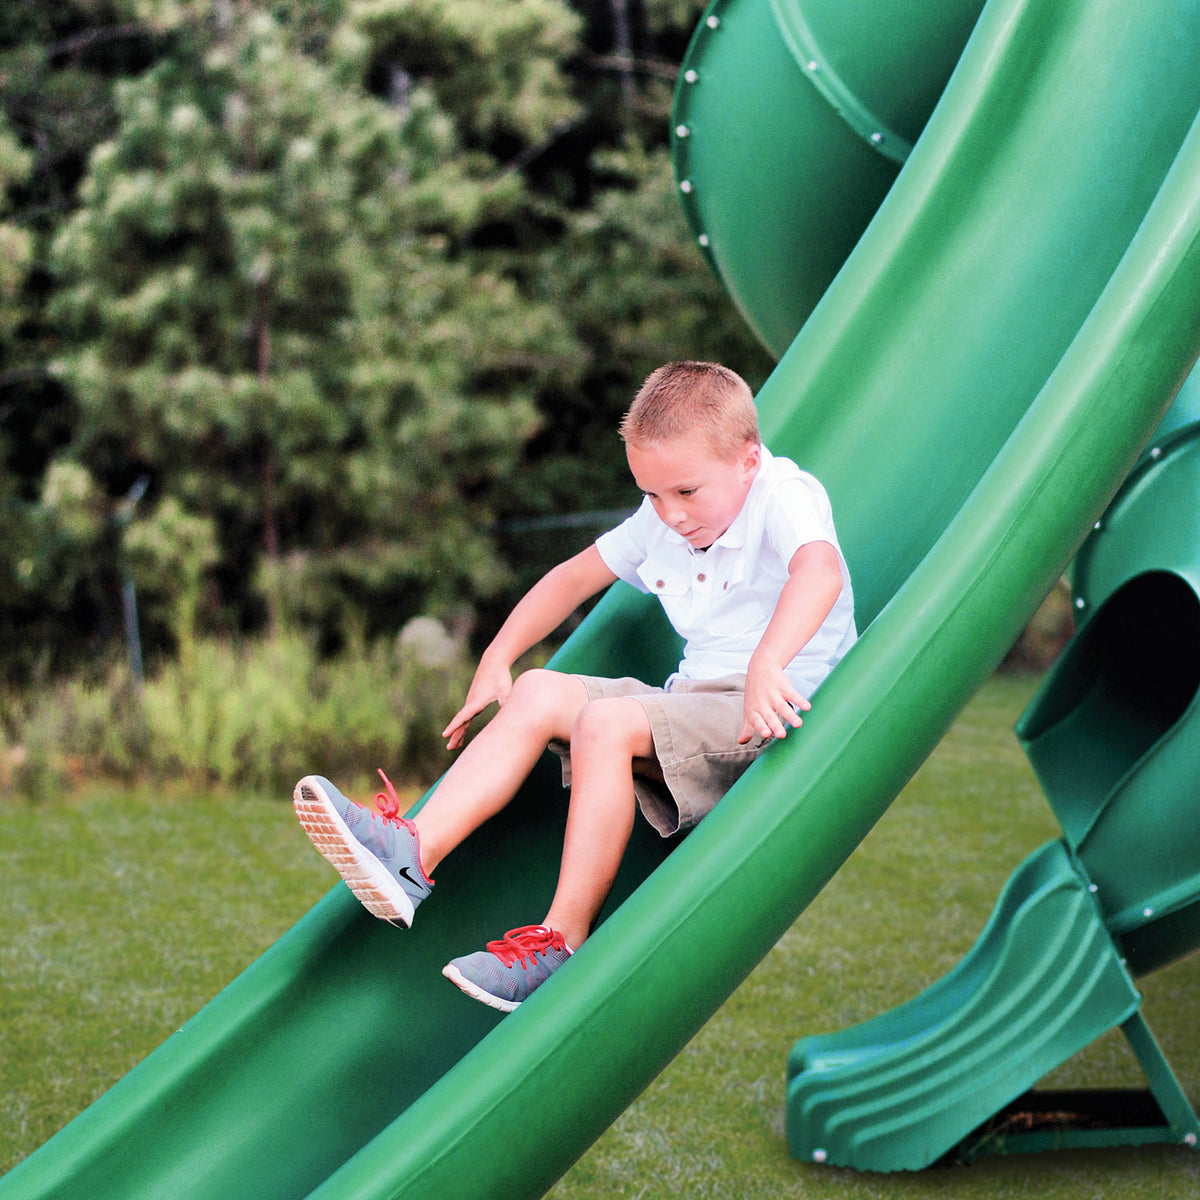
(490, 683)
(770, 703)
(537, 614)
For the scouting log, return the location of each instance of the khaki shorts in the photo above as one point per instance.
(695, 727)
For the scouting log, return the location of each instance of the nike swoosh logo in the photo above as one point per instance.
(415, 882)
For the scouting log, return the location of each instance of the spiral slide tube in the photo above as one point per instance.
(972, 387)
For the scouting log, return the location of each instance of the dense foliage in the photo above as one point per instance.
(310, 311)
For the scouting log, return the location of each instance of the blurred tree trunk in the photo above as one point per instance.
(623, 48)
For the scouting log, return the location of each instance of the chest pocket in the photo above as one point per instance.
(663, 581)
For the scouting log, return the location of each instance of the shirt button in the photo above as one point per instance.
(661, 583)
(725, 586)
(702, 577)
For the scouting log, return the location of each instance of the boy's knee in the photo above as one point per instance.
(532, 686)
(612, 725)
(546, 698)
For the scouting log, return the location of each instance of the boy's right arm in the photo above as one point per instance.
(537, 614)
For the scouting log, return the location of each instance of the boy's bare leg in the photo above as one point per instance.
(541, 707)
(608, 738)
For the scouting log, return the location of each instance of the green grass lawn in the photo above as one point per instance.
(122, 914)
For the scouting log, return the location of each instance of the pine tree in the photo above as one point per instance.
(274, 320)
(356, 284)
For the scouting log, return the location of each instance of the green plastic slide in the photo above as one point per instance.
(972, 387)
(1113, 735)
(897, 1092)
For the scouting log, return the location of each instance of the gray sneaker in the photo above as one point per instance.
(377, 854)
(510, 970)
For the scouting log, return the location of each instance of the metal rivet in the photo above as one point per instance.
(1097, 525)
(691, 76)
(713, 22)
(877, 138)
(813, 65)
(819, 1156)
(1156, 452)
(685, 186)
(1093, 888)
(703, 240)
(682, 131)
(1189, 1139)
(1080, 603)
(1147, 912)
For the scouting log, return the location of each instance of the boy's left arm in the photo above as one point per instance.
(813, 586)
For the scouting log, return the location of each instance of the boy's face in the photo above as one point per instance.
(694, 491)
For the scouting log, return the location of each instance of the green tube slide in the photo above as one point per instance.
(972, 385)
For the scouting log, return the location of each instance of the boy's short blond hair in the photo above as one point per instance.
(682, 399)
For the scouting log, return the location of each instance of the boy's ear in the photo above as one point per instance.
(751, 457)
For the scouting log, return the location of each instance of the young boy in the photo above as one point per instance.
(740, 548)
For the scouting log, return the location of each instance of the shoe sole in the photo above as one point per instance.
(364, 874)
(461, 982)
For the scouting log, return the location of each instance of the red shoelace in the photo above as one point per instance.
(387, 803)
(517, 945)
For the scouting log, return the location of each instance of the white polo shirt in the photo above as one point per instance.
(719, 600)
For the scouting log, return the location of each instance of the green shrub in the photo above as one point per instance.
(251, 715)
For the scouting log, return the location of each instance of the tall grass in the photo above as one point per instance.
(257, 714)
(252, 715)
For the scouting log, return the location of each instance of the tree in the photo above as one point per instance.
(16, 243)
(169, 552)
(603, 242)
(273, 319)
(57, 62)
(357, 283)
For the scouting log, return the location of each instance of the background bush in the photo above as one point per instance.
(243, 715)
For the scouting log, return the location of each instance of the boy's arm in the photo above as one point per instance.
(537, 614)
(813, 586)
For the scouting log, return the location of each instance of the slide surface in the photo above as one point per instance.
(971, 388)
